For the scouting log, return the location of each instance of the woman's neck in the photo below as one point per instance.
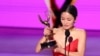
(70, 29)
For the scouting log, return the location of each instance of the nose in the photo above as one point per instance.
(65, 22)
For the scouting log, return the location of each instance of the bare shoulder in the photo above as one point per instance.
(81, 33)
(79, 30)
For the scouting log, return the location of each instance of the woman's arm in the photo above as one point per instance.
(82, 43)
(38, 47)
(81, 46)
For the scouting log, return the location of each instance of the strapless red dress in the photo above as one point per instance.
(73, 48)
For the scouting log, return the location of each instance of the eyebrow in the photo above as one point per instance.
(66, 18)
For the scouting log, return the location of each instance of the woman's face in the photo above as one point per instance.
(67, 20)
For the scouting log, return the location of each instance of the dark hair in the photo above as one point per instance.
(70, 9)
(65, 8)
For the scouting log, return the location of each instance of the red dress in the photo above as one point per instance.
(73, 48)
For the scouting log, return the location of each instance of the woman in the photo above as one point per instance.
(67, 20)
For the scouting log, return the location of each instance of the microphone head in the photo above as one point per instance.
(67, 33)
(70, 39)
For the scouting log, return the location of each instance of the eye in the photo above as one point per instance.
(62, 18)
(69, 19)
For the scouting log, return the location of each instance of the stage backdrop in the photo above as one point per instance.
(24, 13)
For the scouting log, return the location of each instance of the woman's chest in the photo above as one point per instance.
(60, 38)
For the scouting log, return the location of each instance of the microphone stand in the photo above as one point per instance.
(65, 46)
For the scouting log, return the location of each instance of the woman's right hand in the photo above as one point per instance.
(47, 31)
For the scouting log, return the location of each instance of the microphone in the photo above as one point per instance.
(67, 33)
(69, 40)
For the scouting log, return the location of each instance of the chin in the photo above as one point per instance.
(66, 27)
